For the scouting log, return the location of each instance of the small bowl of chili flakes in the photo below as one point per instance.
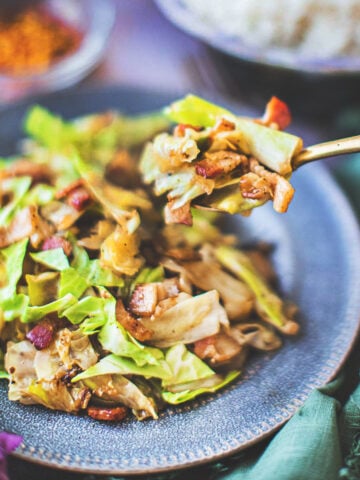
(46, 45)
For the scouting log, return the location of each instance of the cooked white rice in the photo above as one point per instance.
(313, 28)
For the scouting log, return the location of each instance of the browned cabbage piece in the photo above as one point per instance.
(219, 349)
(266, 183)
(41, 376)
(237, 298)
(101, 230)
(256, 335)
(26, 223)
(120, 252)
(132, 324)
(19, 363)
(61, 215)
(118, 389)
(189, 320)
(231, 344)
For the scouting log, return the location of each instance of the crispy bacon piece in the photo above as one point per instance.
(79, 198)
(63, 192)
(57, 242)
(179, 130)
(42, 334)
(218, 163)
(26, 168)
(132, 324)
(115, 414)
(76, 194)
(277, 112)
(144, 299)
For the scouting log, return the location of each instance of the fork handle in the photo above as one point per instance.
(327, 149)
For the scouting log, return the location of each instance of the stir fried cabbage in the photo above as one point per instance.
(107, 304)
(216, 159)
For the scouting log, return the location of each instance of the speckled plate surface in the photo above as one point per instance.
(282, 58)
(317, 256)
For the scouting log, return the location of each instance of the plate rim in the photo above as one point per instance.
(188, 21)
(348, 220)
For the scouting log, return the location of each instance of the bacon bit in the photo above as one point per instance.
(205, 347)
(64, 192)
(132, 325)
(144, 299)
(42, 334)
(219, 163)
(79, 199)
(57, 242)
(25, 168)
(276, 111)
(115, 414)
(76, 194)
(178, 215)
(179, 130)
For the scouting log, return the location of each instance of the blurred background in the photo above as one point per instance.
(304, 58)
(305, 52)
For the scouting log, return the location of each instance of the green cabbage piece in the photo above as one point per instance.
(86, 307)
(11, 267)
(42, 288)
(185, 366)
(207, 385)
(35, 313)
(72, 282)
(18, 188)
(3, 372)
(92, 271)
(189, 320)
(123, 391)
(269, 305)
(97, 143)
(49, 129)
(55, 259)
(193, 110)
(14, 307)
(40, 194)
(230, 200)
(113, 364)
(114, 338)
(272, 148)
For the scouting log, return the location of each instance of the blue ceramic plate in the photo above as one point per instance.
(180, 15)
(317, 256)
